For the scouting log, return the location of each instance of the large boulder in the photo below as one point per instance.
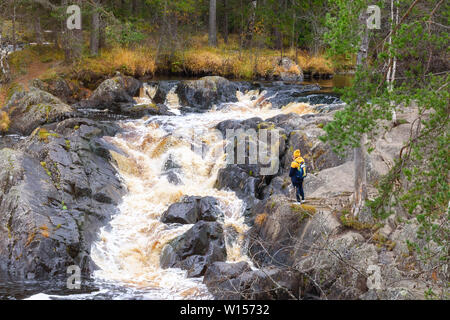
(244, 180)
(196, 249)
(31, 109)
(112, 92)
(191, 210)
(270, 284)
(276, 224)
(249, 180)
(218, 278)
(287, 70)
(340, 264)
(140, 110)
(317, 154)
(68, 91)
(200, 95)
(236, 281)
(56, 190)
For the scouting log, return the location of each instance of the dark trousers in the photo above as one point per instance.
(299, 191)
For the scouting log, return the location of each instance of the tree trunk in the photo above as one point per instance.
(293, 29)
(102, 35)
(95, 36)
(360, 194)
(392, 62)
(134, 7)
(73, 46)
(37, 30)
(251, 25)
(212, 24)
(4, 67)
(225, 27)
(14, 28)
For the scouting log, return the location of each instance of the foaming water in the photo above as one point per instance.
(129, 249)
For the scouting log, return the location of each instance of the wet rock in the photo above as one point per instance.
(196, 249)
(30, 109)
(170, 164)
(163, 89)
(173, 177)
(288, 122)
(242, 179)
(141, 110)
(112, 92)
(200, 95)
(287, 70)
(56, 191)
(247, 124)
(191, 210)
(249, 180)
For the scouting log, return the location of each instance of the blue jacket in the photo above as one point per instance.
(296, 175)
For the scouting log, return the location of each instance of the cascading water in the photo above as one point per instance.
(129, 249)
(163, 159)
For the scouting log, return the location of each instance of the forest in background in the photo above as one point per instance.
(232, 38)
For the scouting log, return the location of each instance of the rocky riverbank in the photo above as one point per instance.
(60, 184)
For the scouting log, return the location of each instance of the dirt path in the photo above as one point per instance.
(34, 70)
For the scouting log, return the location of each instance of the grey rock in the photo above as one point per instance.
(54, 197)
(200, 95)
(196, 249)
(112, 92)
(191, 210)
(31, 109)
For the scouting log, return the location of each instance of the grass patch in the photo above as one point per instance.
(247, 64)
(260, 219)
(381, 241)
(134, 62)
(303, 210)
(21, 60)
(43, 135)
(67, 147)
(229, 60)
(351, 222)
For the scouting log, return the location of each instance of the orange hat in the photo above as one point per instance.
(297, 153)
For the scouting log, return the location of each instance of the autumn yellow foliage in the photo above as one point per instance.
(4, 121)
(260, 219)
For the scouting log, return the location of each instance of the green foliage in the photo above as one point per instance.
(344, 27)
(125, 34)
(418, 181)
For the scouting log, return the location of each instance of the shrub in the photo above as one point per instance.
(4, 121)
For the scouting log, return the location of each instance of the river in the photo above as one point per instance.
(128, 250)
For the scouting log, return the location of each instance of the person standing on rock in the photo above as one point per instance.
(297, 174)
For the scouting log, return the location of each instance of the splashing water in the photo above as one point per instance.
(128, 251)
